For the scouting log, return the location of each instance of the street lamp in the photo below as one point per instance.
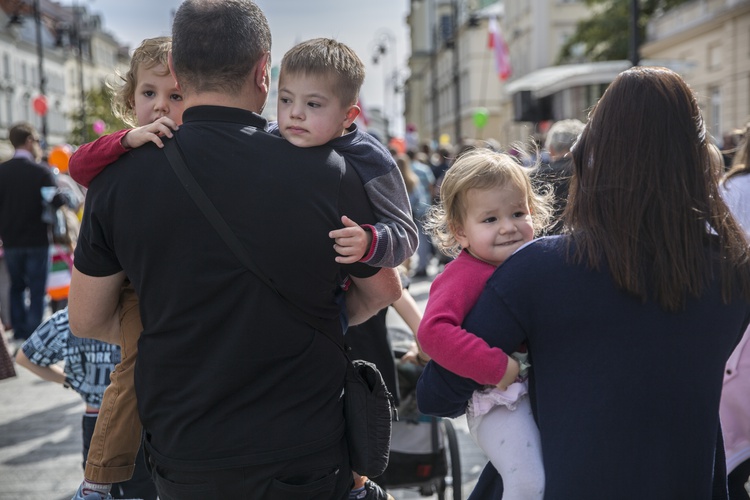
(78, 26)
(73, 35)
(456, 72)
(385, 43)
(17, 20)
(472, 22)
(40, 57)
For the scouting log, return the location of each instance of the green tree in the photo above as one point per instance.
(605, 36)
(97, 107)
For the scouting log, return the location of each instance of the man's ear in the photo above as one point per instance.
(170, 63)
(262, 75)
(351, 114)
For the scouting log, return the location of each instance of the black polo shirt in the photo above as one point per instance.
(226, 376)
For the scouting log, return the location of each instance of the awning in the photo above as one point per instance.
(552, 79)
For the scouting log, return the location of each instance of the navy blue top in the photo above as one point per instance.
(625, 394)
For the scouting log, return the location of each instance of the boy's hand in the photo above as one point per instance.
(153, 132)
(352, 242)
(511, 374)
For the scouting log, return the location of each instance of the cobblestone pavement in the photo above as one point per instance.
(40, 436)
(40, 439)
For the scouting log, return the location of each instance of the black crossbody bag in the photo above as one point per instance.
(368, 405)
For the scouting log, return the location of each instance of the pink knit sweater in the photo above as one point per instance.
(452, 295)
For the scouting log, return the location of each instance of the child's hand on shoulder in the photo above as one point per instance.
(352, 242)
(153, 132)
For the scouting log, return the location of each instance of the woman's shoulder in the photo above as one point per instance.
(540, 258)
(548, 247)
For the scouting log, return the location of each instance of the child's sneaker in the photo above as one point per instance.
(371, 491)
(92, 494)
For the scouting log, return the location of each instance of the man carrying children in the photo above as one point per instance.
(238, 398)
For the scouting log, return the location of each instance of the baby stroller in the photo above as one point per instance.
(424, 450)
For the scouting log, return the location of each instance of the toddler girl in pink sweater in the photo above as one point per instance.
(488, 210)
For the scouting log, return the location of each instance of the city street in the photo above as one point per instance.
(40, 436)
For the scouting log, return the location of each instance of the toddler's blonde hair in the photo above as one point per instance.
(151, 53)
(481, 168)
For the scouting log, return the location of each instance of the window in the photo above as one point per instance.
(9, 108)
(714, 56)
(26, 107)
(6, 66)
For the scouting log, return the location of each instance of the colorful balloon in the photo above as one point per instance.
(59, 157)
(40, 105)
(481, 116)
(99, 126)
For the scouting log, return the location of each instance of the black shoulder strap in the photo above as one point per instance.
(174, 155)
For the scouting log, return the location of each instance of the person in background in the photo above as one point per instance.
(425, 250)
(419, 200)
(25, 187)
(441, 161)
(630, 317)
(735, 404)
(258, 449)
(557, 172)
(730, 145)
(4, 291)
(87, 365)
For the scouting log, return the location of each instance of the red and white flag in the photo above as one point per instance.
(496, 42)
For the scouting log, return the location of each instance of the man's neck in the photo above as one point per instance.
(22, 152)
(221, 99)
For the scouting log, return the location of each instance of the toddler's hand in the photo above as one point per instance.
(351, 242)
(511, 374)
(153, 132)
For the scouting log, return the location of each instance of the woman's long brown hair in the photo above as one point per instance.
(644, 198)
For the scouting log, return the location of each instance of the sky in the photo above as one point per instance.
(361, 24)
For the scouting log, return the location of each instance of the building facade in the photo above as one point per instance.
(76, 56)
(453, 72)
(711, 38)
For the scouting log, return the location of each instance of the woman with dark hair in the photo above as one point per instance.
(629, 318)
(735, 400)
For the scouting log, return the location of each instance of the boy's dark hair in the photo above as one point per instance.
(239, 35)
(20, 133)
(327, 57)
